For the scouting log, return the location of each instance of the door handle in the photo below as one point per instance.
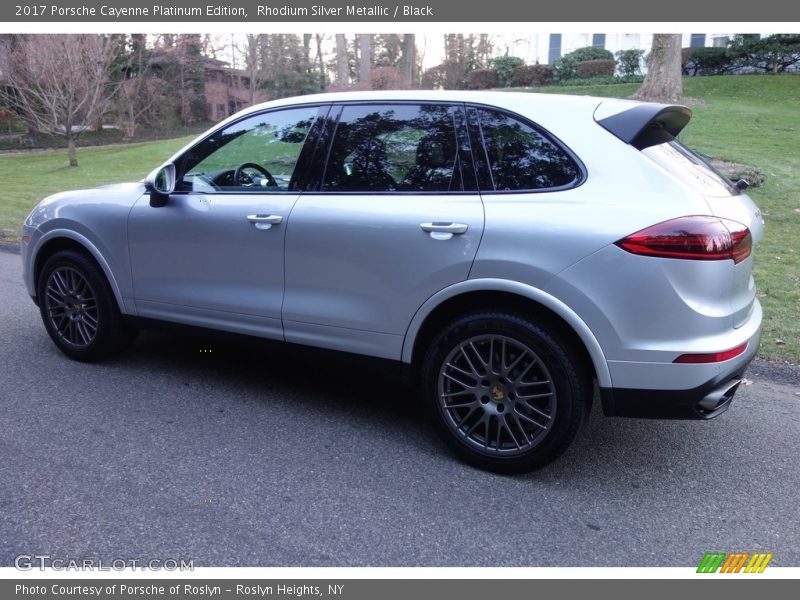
(264, 221)
(444, 231)
(454, 228)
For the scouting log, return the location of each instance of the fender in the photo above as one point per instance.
(92, 249)
(520, 289)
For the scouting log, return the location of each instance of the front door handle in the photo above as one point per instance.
(264, 221)
(444, 231)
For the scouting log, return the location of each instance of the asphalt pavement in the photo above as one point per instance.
(243, 455)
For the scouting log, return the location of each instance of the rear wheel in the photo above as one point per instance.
(79, 310)
(508, 395)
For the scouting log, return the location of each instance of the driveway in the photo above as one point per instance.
(251, 455)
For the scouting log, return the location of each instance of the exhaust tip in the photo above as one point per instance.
(718, 401)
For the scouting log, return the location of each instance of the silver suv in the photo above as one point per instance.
(510, 250)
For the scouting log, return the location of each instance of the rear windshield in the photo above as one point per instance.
(691, 168)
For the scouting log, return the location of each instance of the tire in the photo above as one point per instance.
(79, 310)
(514, 413)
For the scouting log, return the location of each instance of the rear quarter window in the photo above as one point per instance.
(519, 157)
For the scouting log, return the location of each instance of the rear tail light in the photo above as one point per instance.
(692, 238)
(712, 357)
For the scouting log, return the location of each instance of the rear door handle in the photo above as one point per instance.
(264, 221)
(444, 231)
(454, 228)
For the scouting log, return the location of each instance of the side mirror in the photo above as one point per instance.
(160, 184)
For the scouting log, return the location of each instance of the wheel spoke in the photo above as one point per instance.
(522, 373)
(81, 289)
(469, 362)
(538, 411)
(533, 396)
(484, 364)
(459, 370)
(515, 417)
(463, 420)
(508, 369)
(84, 335)
(461, 383)
(456, 394)
(460, 405)
(90, 320)
(473, 427)
(510, 432)
(525, 417)
(60, 284)
(58, 301)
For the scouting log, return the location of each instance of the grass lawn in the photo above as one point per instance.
(27, 177)
(751, 119)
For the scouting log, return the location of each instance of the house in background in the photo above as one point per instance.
(228, 90)
(546, 48)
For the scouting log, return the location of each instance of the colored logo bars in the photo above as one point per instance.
(735, 562)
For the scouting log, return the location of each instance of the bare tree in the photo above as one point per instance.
(364, 56)
(139, 91)
(323, 78)
(409, 58)
(663, 81)
(60, 83)
(342, 61)
(251, 53)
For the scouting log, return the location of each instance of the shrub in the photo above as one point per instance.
(482, 79)
(629, 62)
(449, 75)
(772, 54)
(504, 67)
(388, 78)
(590, 53)
(706, 61)
(566, 67)
(532, 76)
(595, 68)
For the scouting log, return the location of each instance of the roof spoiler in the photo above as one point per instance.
(645, 124)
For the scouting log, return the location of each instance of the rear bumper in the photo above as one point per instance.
(705, 401)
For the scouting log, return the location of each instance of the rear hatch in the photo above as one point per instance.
(653, 128)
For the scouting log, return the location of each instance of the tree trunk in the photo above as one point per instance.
(409, 58)
(663, 82)
(323, 82)
(364, 56)
(73, 156)
(342, 66)
(307, 52)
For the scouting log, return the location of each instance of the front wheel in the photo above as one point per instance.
(79, 310)
(508, 395)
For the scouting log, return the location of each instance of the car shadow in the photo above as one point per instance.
(607, 451)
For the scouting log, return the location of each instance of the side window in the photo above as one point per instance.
(257, 154)
(395, 147)
(520, 157)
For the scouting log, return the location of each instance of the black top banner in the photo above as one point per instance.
(431, 11)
